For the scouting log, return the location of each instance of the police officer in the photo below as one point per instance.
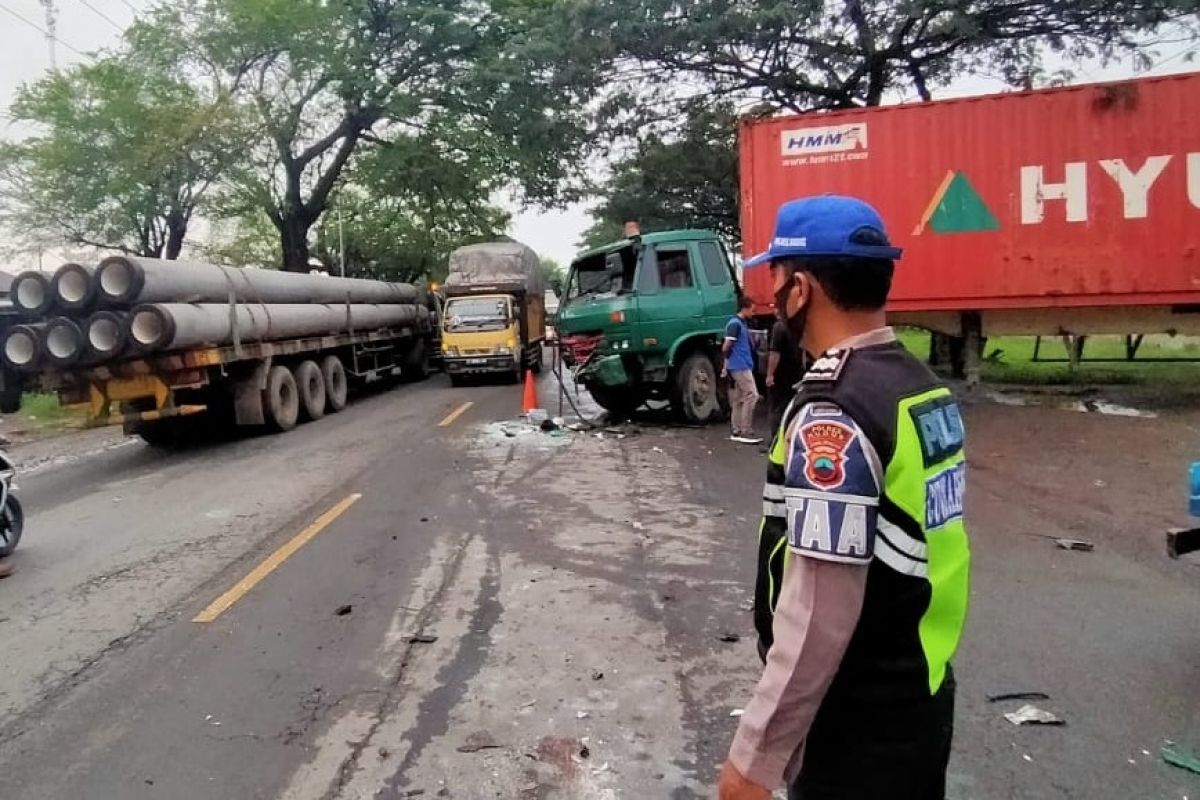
(864, 560)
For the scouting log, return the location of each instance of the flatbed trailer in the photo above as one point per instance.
(277, 384)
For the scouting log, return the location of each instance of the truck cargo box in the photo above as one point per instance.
(1044, 211)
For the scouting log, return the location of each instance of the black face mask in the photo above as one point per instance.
(795, 323)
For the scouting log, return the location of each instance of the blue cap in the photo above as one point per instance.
(827, 225)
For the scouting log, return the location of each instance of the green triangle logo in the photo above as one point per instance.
(960, 209)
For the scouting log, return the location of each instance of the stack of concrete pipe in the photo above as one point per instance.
(131, 307)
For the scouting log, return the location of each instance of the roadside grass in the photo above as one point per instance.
(43, 413)
(1009, 360)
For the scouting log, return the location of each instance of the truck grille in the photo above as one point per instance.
(578, 349)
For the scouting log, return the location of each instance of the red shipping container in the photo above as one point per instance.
(1074, 197)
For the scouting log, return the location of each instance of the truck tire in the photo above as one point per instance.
(535, 365)
(697, 390)
(456, 380)
(416, 366)
(281, 399)
(336, 388)
(619, 403)
(311, 385)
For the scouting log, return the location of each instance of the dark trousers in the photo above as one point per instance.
(897, 753)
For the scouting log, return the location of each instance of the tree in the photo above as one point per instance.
(685, 180)
(326, 78)
(121, 157)
(761, 57)
(812, 55)
(553, 274)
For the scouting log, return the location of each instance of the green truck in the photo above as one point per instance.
(643, 319)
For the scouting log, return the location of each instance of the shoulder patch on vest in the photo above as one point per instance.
(828, 368)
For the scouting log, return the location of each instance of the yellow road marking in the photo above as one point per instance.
(273, 561)
(455, 414)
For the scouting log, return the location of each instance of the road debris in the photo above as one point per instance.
(421, 639)
(997, 698)
(548, 426)
(597, 675)
(730, 638)
(1075, 544)
(1032, 715)
(1181, 760)
(480, 740)
(737, 712)
(344, 610)
(582, 715)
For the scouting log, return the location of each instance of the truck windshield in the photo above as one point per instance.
(604, 274)
(477, 314)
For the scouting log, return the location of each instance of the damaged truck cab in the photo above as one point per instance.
(644, 318)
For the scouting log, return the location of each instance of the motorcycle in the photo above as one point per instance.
(12, 516)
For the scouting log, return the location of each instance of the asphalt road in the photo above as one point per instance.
(415, 598)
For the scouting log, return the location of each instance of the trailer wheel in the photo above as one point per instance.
(697, 390)
(281, 400)
(311, 385)
(336, 389)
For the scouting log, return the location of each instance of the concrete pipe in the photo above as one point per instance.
(22, 346)
(31, 293)
(126, 280)
(73, 286)
(105, 333)
(174, 326)
(62, 342)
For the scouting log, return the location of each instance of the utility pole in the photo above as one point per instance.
(51, 32)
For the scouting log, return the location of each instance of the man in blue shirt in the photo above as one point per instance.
(739, 366)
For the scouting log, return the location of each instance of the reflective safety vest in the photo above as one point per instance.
(868, 467)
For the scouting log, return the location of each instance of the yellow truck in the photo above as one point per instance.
(494, 321)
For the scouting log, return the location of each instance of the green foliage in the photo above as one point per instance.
(809, 55)
(688, 180)
(765, 56)
(329, 80)
(120, 158)
(553, 274)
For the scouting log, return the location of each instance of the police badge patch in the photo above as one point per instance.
(825, 446)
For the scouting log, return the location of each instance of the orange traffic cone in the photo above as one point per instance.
(529, 401)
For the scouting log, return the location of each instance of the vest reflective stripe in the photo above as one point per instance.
(899, 561)
(901, 541)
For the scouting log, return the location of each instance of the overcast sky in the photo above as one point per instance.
(84, 26)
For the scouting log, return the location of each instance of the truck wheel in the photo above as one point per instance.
(311, 385)
(456, 380)
(619, 403)
(416, 367)
(281, 400)
(335, 383)
(697, 390)
(536, 365)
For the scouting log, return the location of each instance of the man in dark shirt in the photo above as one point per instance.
(783, 372)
